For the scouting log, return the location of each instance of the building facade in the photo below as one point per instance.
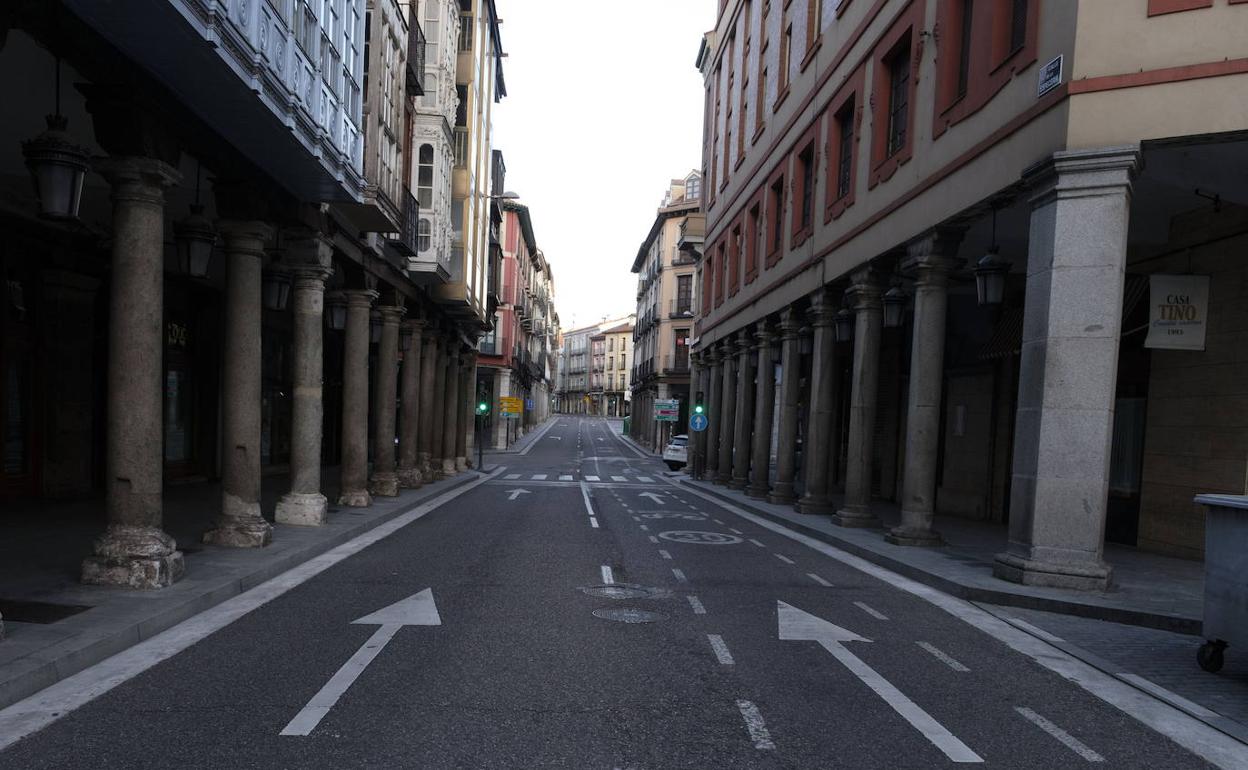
(616, 393)
(212, 280)
(665, 310)
(433, 151)
(932, 231)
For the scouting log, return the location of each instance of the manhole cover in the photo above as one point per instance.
(629, 615)
(617, 591)
(700, 538)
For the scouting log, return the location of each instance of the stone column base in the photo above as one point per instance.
(915, 537)
(448, 467)
(737, 483)
(723, 481)
(384, 485)
(411, 478)
(239, 525)
(855, 518)
(814, 506)
(782, 494)
(461, 464)
(302, 509)
(134, 557)
(355, 498)
(757, 493)
(1033, 572)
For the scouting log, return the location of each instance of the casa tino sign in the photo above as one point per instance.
(1178, 310)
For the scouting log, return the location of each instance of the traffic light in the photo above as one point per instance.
(483, 408)
(698, 406)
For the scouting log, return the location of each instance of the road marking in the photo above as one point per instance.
(539, 477)
(1175, 700)
(565, 478)
(645, 479)
(717, 521)
(62, 698)
(784, 558)
(636, 518)
(721, 649)
(512, 476)
(818, 580)
(540, 434)
(1201, 739)
(755, 725)
(618, 478)
(696, 604)
(608, 577)
(735, 531)
(644, 528)
(1068, 740)
(593, 522)
(514, 493)
(795, 625)
(591, 478)
(665, 554)
(943, 658)
(416, 610)
(871, 611)
(653, 539)
(589, 506)
(658, 500)
(755, 542)
(680, 575)
(1040, 632)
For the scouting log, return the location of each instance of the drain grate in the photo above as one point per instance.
(42, 613)
(629, 615)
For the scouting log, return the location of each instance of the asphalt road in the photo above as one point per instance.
(521, 672)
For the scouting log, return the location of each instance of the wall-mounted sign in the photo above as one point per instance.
(1177, 312)
(667, 410)
(1050, 76)
(510, 406)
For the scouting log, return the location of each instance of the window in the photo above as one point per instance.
(424, 176)
(684, 294)
(814, 23)
(693, 188)
(721, 281)
(898, 100)
(745, 79)
(424, 235)
(611, 344)
(964, 46)
(1018, 24)
(307, 31)
(465, 25)
(611, 362)
(734, 261)
(775, 219)
(623, 365)
(732, 44)
(708, 281)
(753, 239)
(786, 56)
(806, 187)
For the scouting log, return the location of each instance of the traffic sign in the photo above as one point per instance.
(697, 422)
(667, 410)
(510, 406)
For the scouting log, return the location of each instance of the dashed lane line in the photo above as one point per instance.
(873, 612)
(755, 725)
(818, 580)
(784, 558)
(665, 554)
(696, 604)
(679, 575)
(608, 577)
(721, 649)
(757, 543)
(653, 539)
(1063, 737)
(943, 657)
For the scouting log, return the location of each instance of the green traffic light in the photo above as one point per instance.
(483, 407)
(698, 409)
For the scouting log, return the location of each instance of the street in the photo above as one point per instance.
(576, 607)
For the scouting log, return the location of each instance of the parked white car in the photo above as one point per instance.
(676, 454)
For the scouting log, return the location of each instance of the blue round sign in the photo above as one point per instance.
(697, 422)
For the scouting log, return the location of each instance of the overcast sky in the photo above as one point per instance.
(604, 107)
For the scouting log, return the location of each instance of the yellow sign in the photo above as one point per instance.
(510, 406)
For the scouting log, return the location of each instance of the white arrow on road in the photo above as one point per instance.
(516, 493)
(415, 610)
(796, 625)
(656, 498)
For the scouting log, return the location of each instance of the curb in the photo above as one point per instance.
(40, 670)
(1176, 623)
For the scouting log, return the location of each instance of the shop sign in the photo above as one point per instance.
(177, 335)
(1178, 311)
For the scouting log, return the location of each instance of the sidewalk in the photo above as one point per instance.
(55, 626)
(1144, 631)
(523, 443)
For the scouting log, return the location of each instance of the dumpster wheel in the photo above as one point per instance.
(1210, 657)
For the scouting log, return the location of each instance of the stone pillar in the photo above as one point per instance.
(783, 492)
(1067, 378)
(821, 443)
(429, 396)
(930, 261)
(743, 424)
(134, 551)
(355, 400)
(715, 403)
(728, 413)
(239, 523)
(467, 418)
(450, 409)
(311, 256)
(409, 399)
(866, 290)
(438, 423)
(764, 412)
(385, 479)
(502, 387)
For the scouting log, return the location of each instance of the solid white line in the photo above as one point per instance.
(755, 542)
(539, 477)
(540, 435)
(565, 478)
(608, 577)
(818, 580)
(943, 658)
(1068, 740)
(1207, 742)
(696, 604)
(680, 575)
(645, 479)
(618, 478)
(784, 559)
(591, 478)
(721, 649)
(755, 725)
(593, 522)
(589, 507)
(871, 611)
(45, 707)
(512, 476)
(665, 554)
(312, 714)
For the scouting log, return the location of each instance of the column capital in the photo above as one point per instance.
(308, 253)
(359, 298)
(710, 356)
(244, 236)
(824, 305)
(391, 314)
(790, 324)
(866, 288)
(764, 334)
(1083, 173)
(137, 179)
(935, 251)
(745, 340)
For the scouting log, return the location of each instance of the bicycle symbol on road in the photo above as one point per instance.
(675, 515)
(700, 538)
